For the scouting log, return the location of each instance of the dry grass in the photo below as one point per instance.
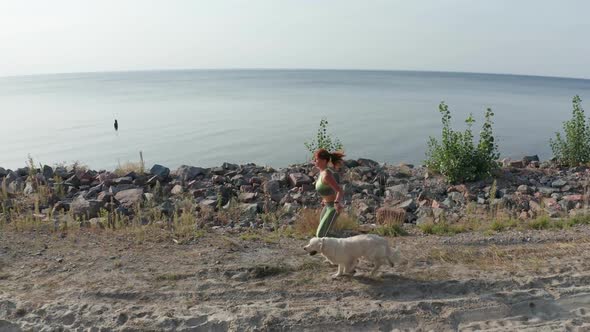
(512, 259)
(129, 167)
(309, 219)
(266, 237)
(442, 228)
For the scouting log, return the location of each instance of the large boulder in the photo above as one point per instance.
(160, 171)
(189, 173)
(299, 179)
(47, 172)
(130, 197)
(85, 209)
(272, 189)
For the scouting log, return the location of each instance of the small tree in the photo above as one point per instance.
(323, 140)
(574, 149)
(456, 156)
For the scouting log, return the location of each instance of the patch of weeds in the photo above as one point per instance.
(263, 271)
(543, 222)
(390, 230)
(307, 222)
(578, 220)
(442, 228)
(306, 280)
(499, 225)
(309, 265)
(271, 237)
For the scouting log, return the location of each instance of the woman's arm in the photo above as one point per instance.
(331, 181)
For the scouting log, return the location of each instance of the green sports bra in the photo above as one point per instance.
(322, 188)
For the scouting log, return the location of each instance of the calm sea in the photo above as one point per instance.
(207, 117)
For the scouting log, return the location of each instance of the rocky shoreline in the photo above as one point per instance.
(522, 189)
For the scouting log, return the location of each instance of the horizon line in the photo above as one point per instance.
(287, 69)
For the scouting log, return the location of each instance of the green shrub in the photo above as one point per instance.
(442, 228)
(390, 230)
(456, 156)
(323, 140)
(574, 148)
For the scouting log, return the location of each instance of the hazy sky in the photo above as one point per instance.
(536, 37)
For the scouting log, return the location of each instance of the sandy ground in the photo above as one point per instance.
(101, 281)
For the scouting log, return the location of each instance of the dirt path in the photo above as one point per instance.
(87, 281)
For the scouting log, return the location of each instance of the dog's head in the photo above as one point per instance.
(315, 245)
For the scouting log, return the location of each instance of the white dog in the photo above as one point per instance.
(346, 252)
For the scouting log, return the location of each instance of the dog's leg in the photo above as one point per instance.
(352, 266)
(330, 262)
(340, 271)
(377, 266)
(349, 267)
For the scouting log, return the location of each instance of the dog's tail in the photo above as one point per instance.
(393, 255)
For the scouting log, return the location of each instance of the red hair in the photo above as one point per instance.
(336, 158)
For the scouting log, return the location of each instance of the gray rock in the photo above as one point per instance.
(177, 190)
(547, 191)
(123, 180)
(290, 208)
(437, 213)
(523, 188)
(47, 172)
(62, 172)
(457, 197)
(3, 172)
(93, 192)
(272, 189)
(363, 207)
(558, 183)
(189, 173)
(409, 205)
(281, 177)
(22, 172)
(104, 197)
(11, 177)
(247, 197)
(116, 189)
(363, 170)
(448, 202)
(251, 209)
(529, 159)
(368, 163)
(15, 186)
(229, 166)
(396, 193)
(299, 179)
(208, 202)
(85, 209)
(535, 207)
(160, 171)
(567, 205)
(130, 197)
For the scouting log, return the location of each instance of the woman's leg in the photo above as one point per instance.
(327, 218)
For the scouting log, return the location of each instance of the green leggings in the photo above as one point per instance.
(327, 219)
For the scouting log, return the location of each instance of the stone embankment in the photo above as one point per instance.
(521, 189)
